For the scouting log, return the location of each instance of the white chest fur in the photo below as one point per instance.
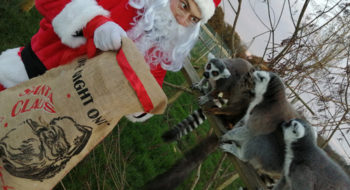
(288, 159)
(261, 79)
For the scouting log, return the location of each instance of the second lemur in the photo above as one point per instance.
(306, 166)
(257, 138)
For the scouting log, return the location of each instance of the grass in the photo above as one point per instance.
(133, 153)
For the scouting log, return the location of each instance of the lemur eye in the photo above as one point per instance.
(209, 66)
(215, 73)
(261, 78)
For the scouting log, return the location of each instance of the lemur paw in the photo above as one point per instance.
(196, 86)
(225, 147)
(220, 102)
(226, 137)
(217, 103)
(230, 148)
(202, 100)
(230, 135)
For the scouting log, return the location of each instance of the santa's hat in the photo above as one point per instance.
(207, 8)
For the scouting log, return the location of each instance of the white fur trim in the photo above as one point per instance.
(132, 117)
(12, 70)
(207, 8)
(73, 18)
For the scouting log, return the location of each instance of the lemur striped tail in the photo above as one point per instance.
(185, 126)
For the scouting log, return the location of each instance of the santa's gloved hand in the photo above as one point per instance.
(108, 36)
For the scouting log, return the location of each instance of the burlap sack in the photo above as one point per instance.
(50, 123)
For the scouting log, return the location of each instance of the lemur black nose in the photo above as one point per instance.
(287, 123)
(206, 74)
(260, 76)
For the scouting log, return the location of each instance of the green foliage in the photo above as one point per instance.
(16, 27)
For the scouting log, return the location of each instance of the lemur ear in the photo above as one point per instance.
(210, 56)
(226, 73)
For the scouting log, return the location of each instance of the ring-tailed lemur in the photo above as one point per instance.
(215, 78)
(182, 169)
(218, 87)
(306, 166)
(257, 138)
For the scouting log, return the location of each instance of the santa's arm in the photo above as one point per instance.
(69, 17)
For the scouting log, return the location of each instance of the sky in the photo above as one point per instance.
(249, 26)
(254, 21)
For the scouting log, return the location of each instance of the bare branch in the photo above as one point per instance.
(216, 172)
(300, 99)
(196, 179)
(232, 7)
(234, 25)
(227, 182)
(346, 111)
(301, 15)
(178, 87)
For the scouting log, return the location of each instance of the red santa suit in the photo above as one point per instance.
(66, 32)
(61, 39)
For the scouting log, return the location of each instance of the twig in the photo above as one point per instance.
(300, 99)
(234, 26)
(198, 175)
(228, 181)
(175, 97)
(178, 87)
(64, 188)
(232, 7)
(346, 111)
(336, 128)
(294, 36)
(213, 177)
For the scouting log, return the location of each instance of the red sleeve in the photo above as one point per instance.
(50, 8)
(68, 17)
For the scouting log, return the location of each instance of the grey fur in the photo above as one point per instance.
(309, 167)
(229, 73)
(234, 97)
(257, 138)
(219, 96)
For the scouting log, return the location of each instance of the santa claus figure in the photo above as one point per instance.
(163, 30)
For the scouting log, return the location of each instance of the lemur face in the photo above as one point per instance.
(293, 130)
(261, 81)
(215, 69)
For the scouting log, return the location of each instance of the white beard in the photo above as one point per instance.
(161, 39)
